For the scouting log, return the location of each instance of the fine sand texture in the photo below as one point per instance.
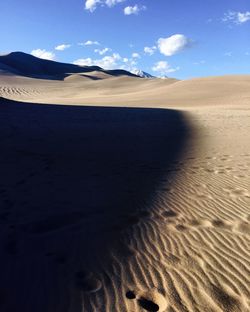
(142, 206)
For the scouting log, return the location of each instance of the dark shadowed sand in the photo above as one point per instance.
(74, 181)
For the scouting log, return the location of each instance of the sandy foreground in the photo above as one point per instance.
(140, 206)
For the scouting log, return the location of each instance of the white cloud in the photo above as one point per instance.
(135, 55)
(110, 62)
(163, 68)
(174, 44)
(62, 47)
(236, 17)
(91, 5)
(243, 17)
(133, 10)
(150, 50)
(128, 64)
(89, 42)
(229, 53)
(111, 3)
(107, 62)
(84, 62)
(43, 54)
(103, 51)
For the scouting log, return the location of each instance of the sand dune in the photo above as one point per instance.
(114, 209)
(31, 66)
(103, 89)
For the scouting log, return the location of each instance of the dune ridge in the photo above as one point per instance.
(28, 65)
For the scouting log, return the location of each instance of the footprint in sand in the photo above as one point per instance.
(181, 227)
(86, 282)
(130, 294)
(150, 300)
(217, 223)
(169, 214)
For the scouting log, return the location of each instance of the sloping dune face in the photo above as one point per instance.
(101, 88)
(76, 178)
(125, 209)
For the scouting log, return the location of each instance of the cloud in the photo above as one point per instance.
(43, 54)
(107, 62)
(103, 51)
(236, 17)
(91, 5)
(129, 10)
(88, 43)
(229, 53)
(150, 50)
(135, 55)
(163, 68)
(62, 47)
(174, 44)
(111, 3)
(128, 64)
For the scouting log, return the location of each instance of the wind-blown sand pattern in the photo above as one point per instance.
(114, 209)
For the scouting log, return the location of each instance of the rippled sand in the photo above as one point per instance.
(125, 209)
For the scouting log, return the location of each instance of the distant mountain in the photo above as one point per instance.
(28, 65)
(142, 74)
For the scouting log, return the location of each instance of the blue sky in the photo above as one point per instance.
(181, 38)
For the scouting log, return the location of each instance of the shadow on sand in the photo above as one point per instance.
(72, 179)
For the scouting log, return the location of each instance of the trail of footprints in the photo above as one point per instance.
(226, 165)
(87, 282)
(150, 300)
(242, 226)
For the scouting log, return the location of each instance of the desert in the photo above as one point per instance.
(120, 193)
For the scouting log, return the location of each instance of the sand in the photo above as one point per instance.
(139, 205)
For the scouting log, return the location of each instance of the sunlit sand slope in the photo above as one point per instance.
(102, 89)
